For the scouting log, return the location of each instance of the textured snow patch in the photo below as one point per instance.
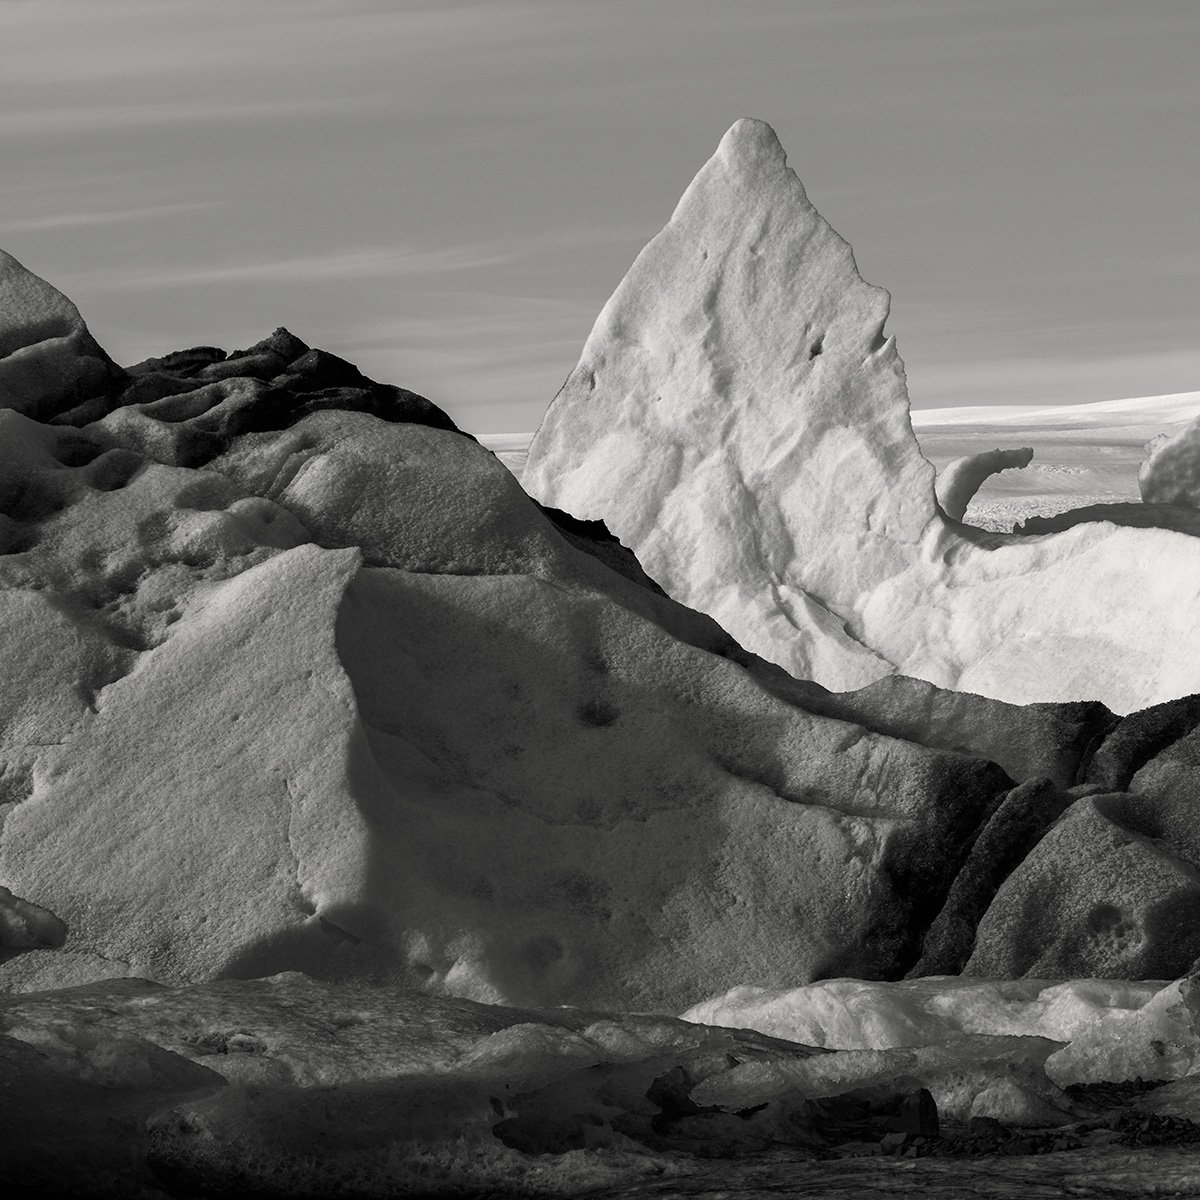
(249, 688)
(1112, 1029)
(286, 1085)
(1003, 1078)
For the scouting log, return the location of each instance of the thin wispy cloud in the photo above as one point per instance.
(86, 220)
(82, 118)
(475, 353)
(341, 266)
(1012, 173)
(336, 266)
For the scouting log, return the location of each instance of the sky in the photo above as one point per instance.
(447, 192)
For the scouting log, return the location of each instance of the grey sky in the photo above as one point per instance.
(447, 192)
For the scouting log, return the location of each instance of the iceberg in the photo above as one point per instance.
(739, 419)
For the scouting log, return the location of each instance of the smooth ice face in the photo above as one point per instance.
(739, 419)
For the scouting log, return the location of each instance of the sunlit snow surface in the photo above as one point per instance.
(1110, 1029)
(1083, 454)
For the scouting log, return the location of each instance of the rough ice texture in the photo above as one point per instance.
(1106, 1029)
(1170, 473)
(959, 480)
(47, 354)
(1086, 454)
(289, 1086)
(292, 656)
(286, 1086)
(487, 763)
(740, 420)
(1002, 1078)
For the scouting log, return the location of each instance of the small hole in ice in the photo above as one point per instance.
(597, 713)
(1104, 918)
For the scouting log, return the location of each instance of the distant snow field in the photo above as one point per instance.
(1083, 454)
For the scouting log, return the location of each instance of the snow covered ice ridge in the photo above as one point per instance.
(353, 804)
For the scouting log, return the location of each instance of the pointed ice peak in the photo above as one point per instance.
(749, 164)
(751, 151)
(31, 310)
(752, 144)
(739, 363)
(48, 359)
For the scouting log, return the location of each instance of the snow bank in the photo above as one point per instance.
(1112, 1029)
(291, 1086)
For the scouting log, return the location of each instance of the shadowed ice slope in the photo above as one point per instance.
(300, 678)
(306, 680)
